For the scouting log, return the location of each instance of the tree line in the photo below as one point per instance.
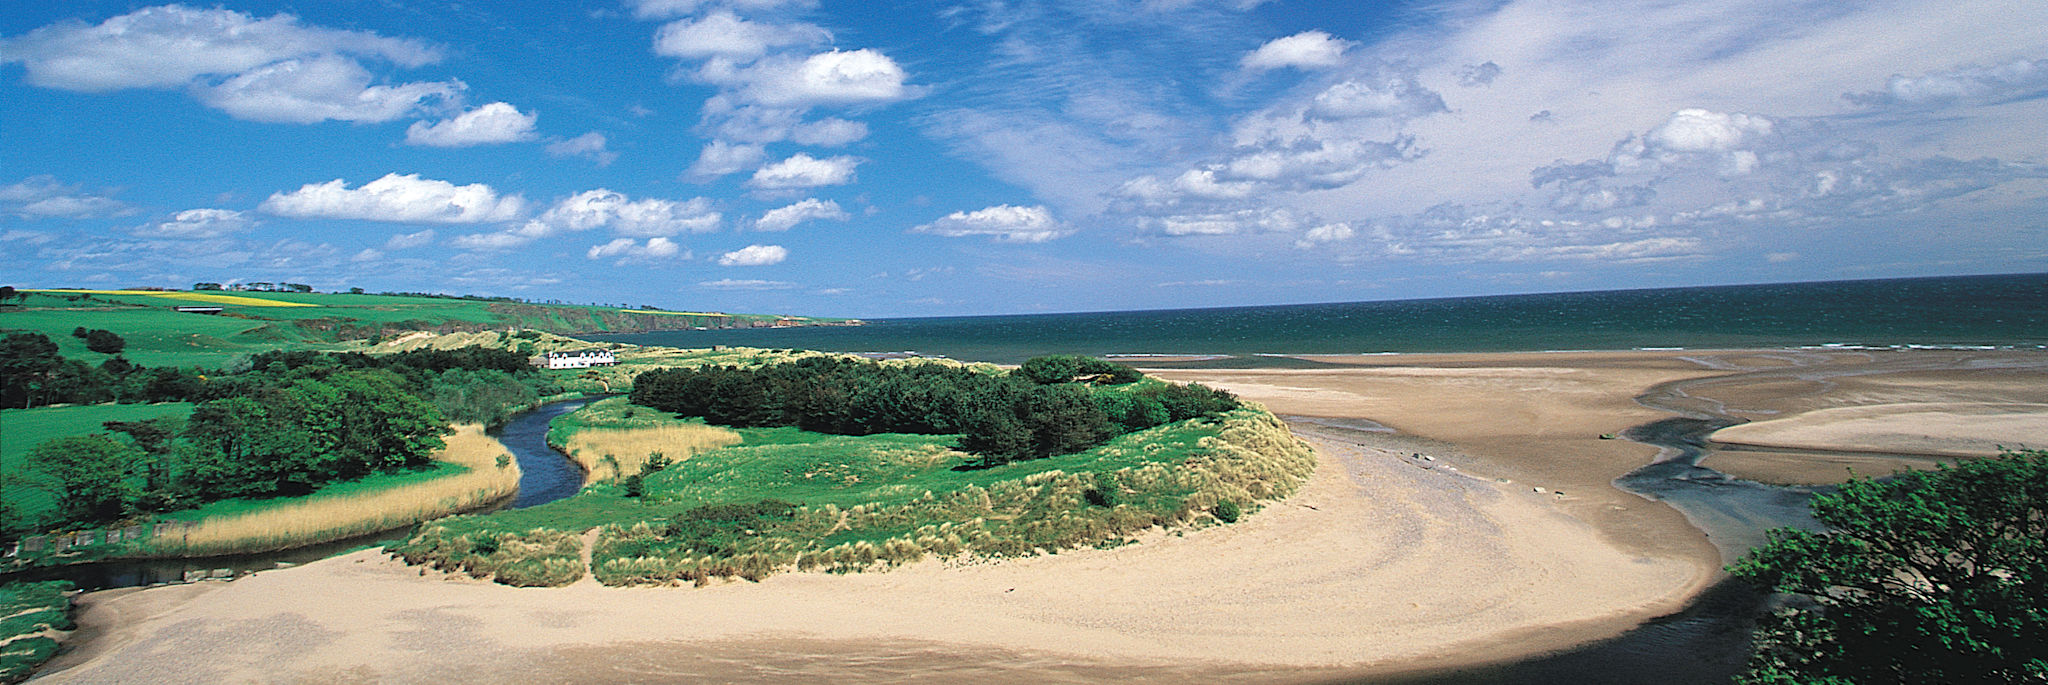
(1000, 417)
(282, 424)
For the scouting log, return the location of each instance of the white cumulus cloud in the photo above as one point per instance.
(1305, 50)
(836, 77)
(1003, 223)
(720, 158)
(497, 122)
(272, 70)
(198, 223)
(754, 255)
(396, 198)
(785, 218)
(723, 34)
(627, 249)
(804, 171)
(648, 217)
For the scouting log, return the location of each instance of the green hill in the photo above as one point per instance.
(160, 335)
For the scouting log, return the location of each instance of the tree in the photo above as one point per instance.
(26, 361)
(90, 473)
(1929, 576)
(104, 342)
(7, 292)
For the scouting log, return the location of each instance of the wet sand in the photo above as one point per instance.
(1384, 564)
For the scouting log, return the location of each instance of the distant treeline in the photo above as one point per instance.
(1037, 412)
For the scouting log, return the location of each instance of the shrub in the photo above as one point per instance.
(1227, 511)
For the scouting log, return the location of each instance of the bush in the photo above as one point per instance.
(1227, 511)
(1930, 576)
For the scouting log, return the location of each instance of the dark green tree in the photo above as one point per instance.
(89, 474)
(26, 362)
(104, 342)
(1927, 577)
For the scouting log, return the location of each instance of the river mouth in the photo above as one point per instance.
(545, 476)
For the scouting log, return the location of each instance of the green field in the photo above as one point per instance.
(26, 611)
(22, 429)
(159, 335)
(786, 498)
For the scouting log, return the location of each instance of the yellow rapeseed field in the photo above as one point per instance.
(322, 518)
(195, 297)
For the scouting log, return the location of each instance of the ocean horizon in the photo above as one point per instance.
(1965, 312)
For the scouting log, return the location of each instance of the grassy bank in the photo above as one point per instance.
(472, 470)
(33, 616)
(785, 499)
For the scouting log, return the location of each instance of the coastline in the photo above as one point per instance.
(1385, 566)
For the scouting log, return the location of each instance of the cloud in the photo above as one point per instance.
(754, 255)
(407, 241)
(838, 77)
(804, 171)
(2015, 79)
(785, 218)
(1392, 95)
(400, 199)
(272, 70)
(723, 34)
(1003, 223)
(1234, 222)
(589, 146)
(1326, 233)
(627, 250)
(198, 223)
(745, 284)
(1305, 50)
(169, 46)
(669, 9)
(720, 158)
(764, 124)
(305, 91)
(42, 196)
(1476, 75)
(497, 122)
(649, 217)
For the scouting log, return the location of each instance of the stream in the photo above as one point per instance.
(545, 476)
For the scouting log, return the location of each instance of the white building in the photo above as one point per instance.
(580, 359)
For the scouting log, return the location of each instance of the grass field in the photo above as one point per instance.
(22, 429)
(250, 322)
(788, 499)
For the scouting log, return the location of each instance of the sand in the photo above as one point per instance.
(1383, 563)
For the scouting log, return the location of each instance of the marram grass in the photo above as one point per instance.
(484, 478)
(795, 501)
(609, 454)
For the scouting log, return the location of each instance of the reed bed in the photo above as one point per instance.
(488, 474)
(609, 454)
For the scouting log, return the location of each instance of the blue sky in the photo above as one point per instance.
(997, 156)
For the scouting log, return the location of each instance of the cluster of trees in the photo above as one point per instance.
(1002, 418)
(260, 286)
(278, 440)
(283, 424)
(33, 373)
(1926, 577)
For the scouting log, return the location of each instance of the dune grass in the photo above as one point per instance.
(612, 438)
(785, 499)
(469, 473)
(32, 616)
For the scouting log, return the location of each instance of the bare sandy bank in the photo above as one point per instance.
(1378, 564)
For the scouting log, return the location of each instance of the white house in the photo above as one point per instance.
(580, 359)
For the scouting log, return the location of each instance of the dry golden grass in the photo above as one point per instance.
(320, 518)
(629, 448)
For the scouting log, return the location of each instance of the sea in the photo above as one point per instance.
(1989, 312)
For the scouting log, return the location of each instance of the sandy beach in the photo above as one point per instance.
(1508, 540)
